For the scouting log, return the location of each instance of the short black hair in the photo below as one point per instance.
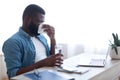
(32, 9)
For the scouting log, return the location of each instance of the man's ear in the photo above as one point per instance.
(28, 19)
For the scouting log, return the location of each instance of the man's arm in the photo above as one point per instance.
(51, 33)
(53, 43)
(54, 60)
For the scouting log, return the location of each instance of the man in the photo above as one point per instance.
(27, 49)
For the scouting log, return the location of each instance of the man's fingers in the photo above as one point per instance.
(58, 63)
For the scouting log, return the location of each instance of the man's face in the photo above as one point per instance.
(34, 24)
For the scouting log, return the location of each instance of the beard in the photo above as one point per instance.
(33, 29)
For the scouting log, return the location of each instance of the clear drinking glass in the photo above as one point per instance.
(58, 49)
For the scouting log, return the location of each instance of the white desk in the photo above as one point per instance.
(110, 72)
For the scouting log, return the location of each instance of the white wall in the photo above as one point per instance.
(86, 22)
(69, 50)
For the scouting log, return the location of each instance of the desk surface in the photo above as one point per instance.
(109, 72)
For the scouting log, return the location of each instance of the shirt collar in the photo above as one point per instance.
(21, 31)
(27, 35)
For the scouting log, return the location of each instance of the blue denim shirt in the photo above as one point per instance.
(19, 51)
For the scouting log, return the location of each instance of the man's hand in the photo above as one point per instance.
(49, 30)
(53, 60)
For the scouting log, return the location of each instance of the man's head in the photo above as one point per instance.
(33, 16)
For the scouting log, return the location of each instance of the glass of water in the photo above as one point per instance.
(58, 49)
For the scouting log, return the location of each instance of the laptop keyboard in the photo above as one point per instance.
(97, 61)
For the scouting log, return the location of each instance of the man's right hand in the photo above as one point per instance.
(53, 60)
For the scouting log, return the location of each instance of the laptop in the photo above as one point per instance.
(95, 61)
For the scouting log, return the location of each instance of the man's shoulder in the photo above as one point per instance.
(15, 38)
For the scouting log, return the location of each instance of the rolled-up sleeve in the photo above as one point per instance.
(12, 53)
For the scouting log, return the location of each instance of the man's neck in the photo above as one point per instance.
(27, 31)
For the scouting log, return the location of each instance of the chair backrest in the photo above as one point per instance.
(3, 70)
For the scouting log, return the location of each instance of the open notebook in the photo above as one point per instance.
(46, 75)
(95, 61)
